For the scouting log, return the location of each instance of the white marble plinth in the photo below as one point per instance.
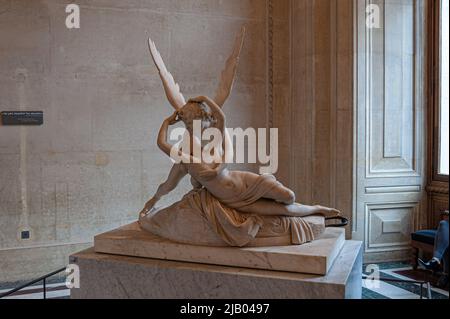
(114, 276)
(316, 257)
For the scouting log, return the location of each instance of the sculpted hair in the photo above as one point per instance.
(205, 113)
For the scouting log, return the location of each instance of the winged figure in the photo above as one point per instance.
(225, 207)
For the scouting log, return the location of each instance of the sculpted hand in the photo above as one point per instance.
(173, 119)
(148, 206)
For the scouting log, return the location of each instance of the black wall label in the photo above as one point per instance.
(22, 117)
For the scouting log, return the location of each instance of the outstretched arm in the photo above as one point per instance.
(175, 176)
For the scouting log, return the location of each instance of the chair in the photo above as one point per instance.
(421, 240)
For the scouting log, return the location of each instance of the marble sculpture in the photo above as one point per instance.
(225, 207)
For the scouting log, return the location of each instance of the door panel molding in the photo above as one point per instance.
(389, 225)
(389, 126)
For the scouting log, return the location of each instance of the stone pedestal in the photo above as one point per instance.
(114, 276)
(315, 257)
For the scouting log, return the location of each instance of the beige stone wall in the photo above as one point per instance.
(94, 162)
(314, 99)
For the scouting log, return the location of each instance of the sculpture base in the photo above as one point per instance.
(316, 257)
(113, 276)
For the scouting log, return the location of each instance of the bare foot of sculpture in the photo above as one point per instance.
(327, 212)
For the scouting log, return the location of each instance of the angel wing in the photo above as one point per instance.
(171, 88)
(228, 74)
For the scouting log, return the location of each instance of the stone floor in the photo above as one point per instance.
(394, 290)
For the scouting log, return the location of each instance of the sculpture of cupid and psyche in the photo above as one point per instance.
(225, 207)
